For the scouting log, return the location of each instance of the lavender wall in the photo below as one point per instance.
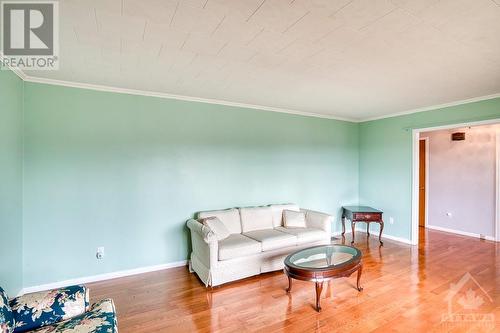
(462, 180)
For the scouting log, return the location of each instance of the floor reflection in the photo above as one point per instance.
(405, 288)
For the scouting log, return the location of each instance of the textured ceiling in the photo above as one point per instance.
(353, 59)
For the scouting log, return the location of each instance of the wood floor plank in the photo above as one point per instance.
(405, 290)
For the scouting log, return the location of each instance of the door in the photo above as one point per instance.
(422, 183)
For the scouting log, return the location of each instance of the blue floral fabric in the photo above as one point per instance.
(35, 310)
(7, 323)
(100, 319)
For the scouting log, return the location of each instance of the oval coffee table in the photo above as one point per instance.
(321, 263)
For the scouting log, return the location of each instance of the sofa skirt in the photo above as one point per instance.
(243, 267)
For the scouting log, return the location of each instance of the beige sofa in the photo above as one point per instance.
(258, 241)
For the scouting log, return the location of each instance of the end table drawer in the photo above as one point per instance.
(367, 217)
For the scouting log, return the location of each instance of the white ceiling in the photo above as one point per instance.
(354, 59)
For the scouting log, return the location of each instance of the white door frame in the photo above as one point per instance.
(415, 174)
(497, 220)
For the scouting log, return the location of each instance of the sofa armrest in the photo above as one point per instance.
(319, 220)
(204, 231)
(100, 318)
(43, 308)
(204, 243)
(105, 311)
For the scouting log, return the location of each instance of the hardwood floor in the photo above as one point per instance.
(405, 290)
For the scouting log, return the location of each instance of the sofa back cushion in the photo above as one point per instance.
(217, 227)
(278, 212)
(256, 218)
(7, 323)
(293, 219)
(229, 217)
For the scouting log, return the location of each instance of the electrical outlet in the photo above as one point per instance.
(100, 252)
(391, 220)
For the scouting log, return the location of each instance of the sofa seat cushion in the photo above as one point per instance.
(272, 239)
(100, 319)
(305, 235)
(236, 246)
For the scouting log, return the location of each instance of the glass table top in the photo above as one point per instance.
(323, 257)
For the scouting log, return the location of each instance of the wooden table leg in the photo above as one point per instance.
(358, 285)
(289, 289)
(353, 226)
(319, 288)
(367, 229)
(343, 226)
(380, 234)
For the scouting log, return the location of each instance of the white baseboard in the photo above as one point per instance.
(101, 277)
(398, 239)
(140, 270)
(392, 238)
(458, 232)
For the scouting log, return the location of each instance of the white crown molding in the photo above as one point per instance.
(180, 97)
(97, 87)
(433, 107)
(15, 70)
(101, 277)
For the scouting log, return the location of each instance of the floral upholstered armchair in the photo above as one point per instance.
(62, 310)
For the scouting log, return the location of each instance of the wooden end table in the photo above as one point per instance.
(321, 263)
(362, 214)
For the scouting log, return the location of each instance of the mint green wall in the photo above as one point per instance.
(11, 106)
(125, 172)
(385, 171)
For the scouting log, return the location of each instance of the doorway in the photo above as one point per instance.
(420, 187)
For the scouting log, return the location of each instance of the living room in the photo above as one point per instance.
(214, 166)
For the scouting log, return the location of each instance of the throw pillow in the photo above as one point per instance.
(216, 225)
(7, 323)
(293, 219)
